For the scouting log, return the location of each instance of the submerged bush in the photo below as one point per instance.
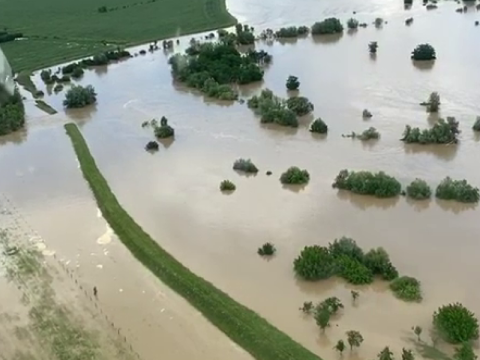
(372, 47)
(151, 145)
(314, 263)
(346, 247)
(476, 125)
(292, 32)
(267, 249)
(370, 134)
(318, 126)
(353, 271)
(292, 83)
(433, 103)
(300, 105)
(443, 132)
(424, 52)
(327, 26)
(419, 190)
(227, 185)
(245, 165)
(455, 323)
(352, 23)
(272, 109)
(331, 304)
(295, 176)
(78, 96)
(378, 261)
(164, 130)
(58, 88)
(407, 288)
(366, 114)
(367, 183)
(12, 111)
(459, 190)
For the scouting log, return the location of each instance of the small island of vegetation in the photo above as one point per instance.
(292, 32)
(295, 176)
(292, 83)
(456, 324)
(476, 124)
(407, 288)
(367, 183)
(163, 131)
(300, 105)
(227, 186)
(272, 109)
(327, 27)
(78, 96)
(458, 190)
(267, 249)
(12, 111)
(443, 132)
(213, 67)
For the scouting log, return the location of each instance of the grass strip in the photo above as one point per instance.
(245, 327)
(42, 105)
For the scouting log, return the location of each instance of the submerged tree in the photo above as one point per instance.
(419, 190)
(407, 354)
(12, 111)
(300, 105)
(318, 126)
(352, 23)
(292, 83)
(443, 132)
(354, 338)
(464, 352)
(340, 347)
(455, 323)
(295, 176)
(476, 125)
(322, 318)
(459, 190)
(417, 330)
(372, 47)
(327, 26)
(272, 109)
(385, 354)
(164, 130)
(78, 96)
(424, 52)
(267, 249)
(366, 183)
(433, 103)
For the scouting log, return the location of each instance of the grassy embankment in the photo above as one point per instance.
(262, 340)
(58, 31)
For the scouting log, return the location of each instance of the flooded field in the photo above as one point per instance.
(174, 194)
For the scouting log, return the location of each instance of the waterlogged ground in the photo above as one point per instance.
(174, 193)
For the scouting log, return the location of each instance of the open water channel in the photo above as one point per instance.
(174, 193)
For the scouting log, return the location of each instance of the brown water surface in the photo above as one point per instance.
(174, 193)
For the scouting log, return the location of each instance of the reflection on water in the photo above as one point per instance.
(174, 193)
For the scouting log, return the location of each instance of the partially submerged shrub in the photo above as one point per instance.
(307, 307)
(455, 323)
(151, 145)
(433, 103)
(367, 183)
(378, 22)
(476, 125)
(314, 263)
(327, 26)
(443, 132)
(407, 288)
(77, 73)
(419, 190)
(318, 126)
(353, 271)
(300, 105)
(459, 190)
(267, 249)
(295, 176)
(370, 134)
(424, 52)
(331, 304)
(58, 88)
(245, 165)
(346, 247)
(378, 261)
(272, 109)
(164, 130)
(78, 96)
(372, 47)
(352, 23)
(292, 83)
(227, 185)
(366, 114)
(12, 111)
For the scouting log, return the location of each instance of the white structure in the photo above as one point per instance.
(6, 75)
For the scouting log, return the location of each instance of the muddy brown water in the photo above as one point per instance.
(174, 193)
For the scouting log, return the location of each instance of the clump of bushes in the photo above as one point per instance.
(272, 109)
(245, 165)
(455, 323)
(267, 249)
(346, 259)
(12, 111)
(327, 26)
(292, 83)
(424, 52)
(419, 190)
(318, 126)
(152, 146)
(212, 67)
(77, 73)
(291, 32)
(227, 185)
(366, 114)
(300, 105)
(433, 103)
(164, 130)
(78, 96)
(295, 176)
(367, 183)
(370, 134)
(58, 88)
(46, 76)
(459, 190)
(443, 132)
(352, 23)
(372, 47)
(476, 125)
(407, 288)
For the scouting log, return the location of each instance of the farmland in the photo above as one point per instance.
(57, 31)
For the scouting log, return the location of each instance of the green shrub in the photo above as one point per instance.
(267, 249)
(314, 263)
(300, 105)
(245, 165)
(292, 83)
(295, 176)
(433, 103)
(352, 23)
(424, 52)
(272, 109)
(455, 323)
(476, 125)
(419, 190)
(353, 271)
(78, 96)
(378, 261)
(458, 190)
(307, 307)
(407, 288)
(370, 134)
(77, 73)
(151, 145)
(373, 47)
(327, 26)
(318, 126)
(227, 185)
(12, 111)
(58, 88)
(346, 247)
(464, 352)
(366, 183)
(443, 132)
(331, 304)
(366, 114)
(164, 130)
(291, 32)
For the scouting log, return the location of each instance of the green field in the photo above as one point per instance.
(59, 30)
(261, 339)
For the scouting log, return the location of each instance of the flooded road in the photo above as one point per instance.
(174, 193)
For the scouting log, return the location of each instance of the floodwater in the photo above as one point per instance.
(174, 193)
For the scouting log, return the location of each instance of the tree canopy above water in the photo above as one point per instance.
(12, 111)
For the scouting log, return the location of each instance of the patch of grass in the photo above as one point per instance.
(42, 105)
(245, 327)
(77, 29)
(24, 79)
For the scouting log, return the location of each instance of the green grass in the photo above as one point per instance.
(245, 327)
(42, 105)
(58, 31)
(24, 79)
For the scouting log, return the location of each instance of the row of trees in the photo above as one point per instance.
(12, 111)
(443, 132)
(383, 186)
